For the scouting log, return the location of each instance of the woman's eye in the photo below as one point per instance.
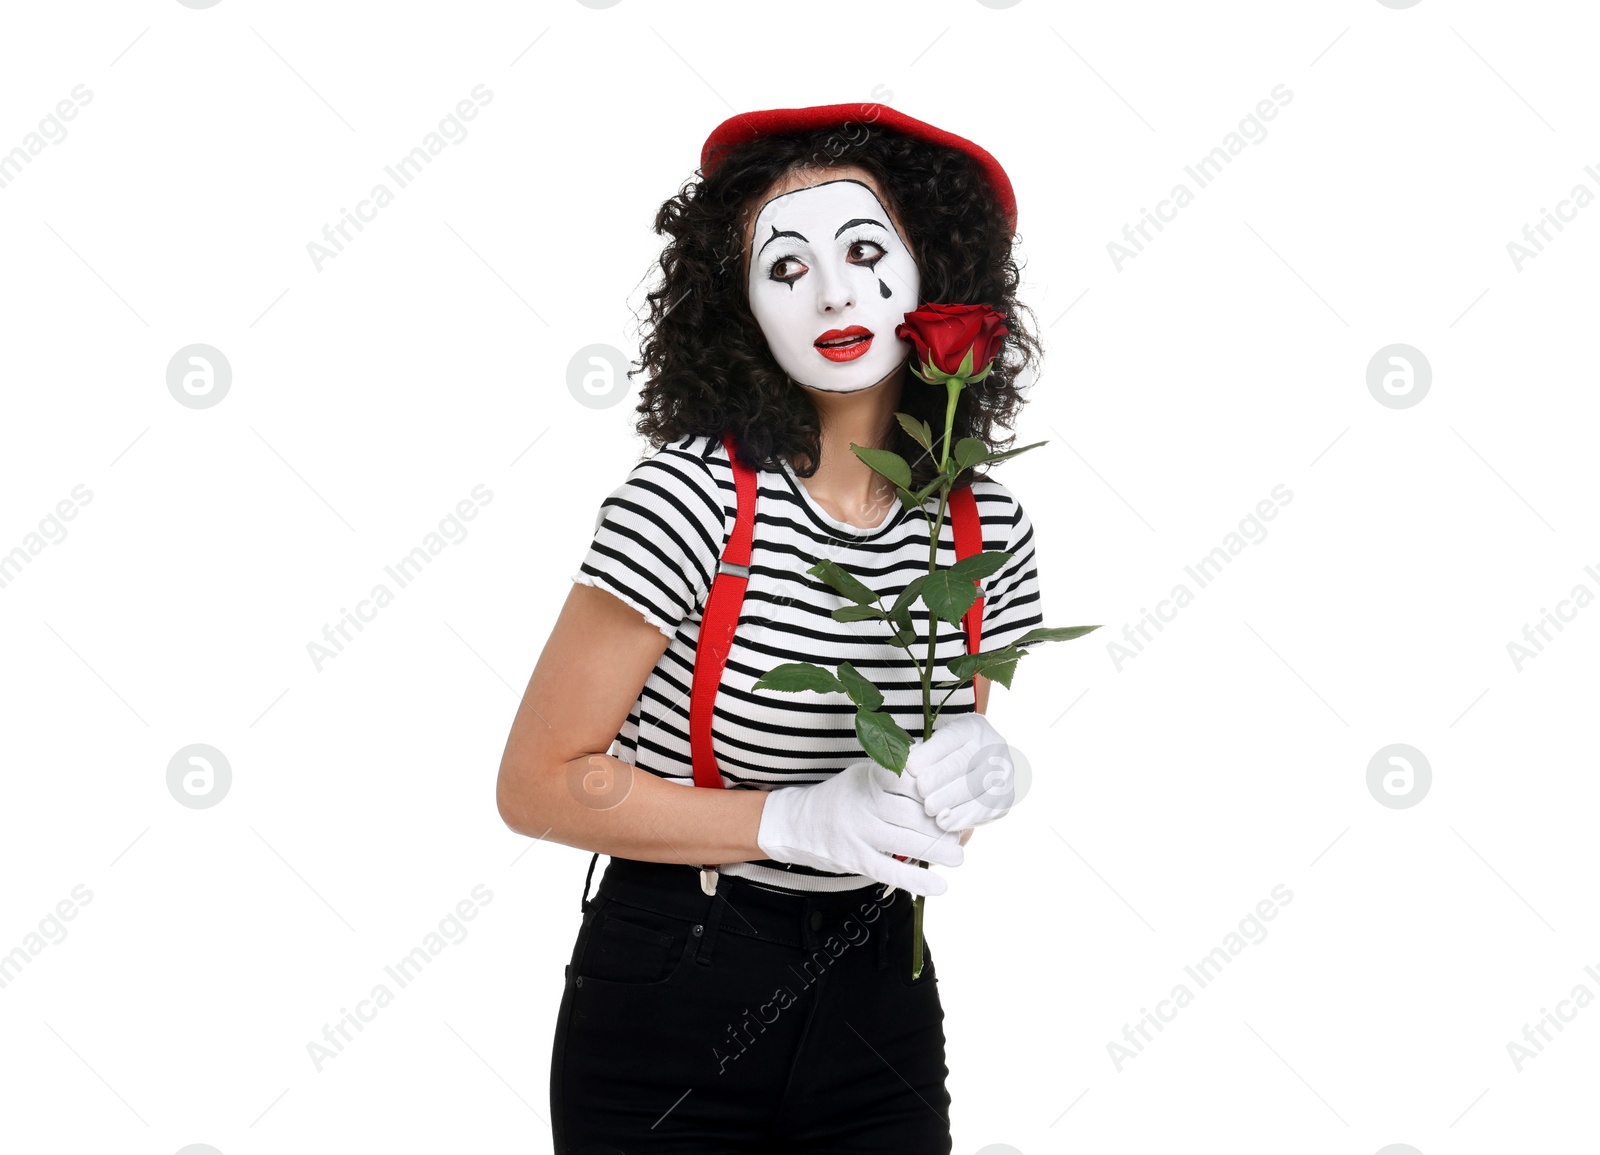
(790, 269)
(869, 253)
(778, 266)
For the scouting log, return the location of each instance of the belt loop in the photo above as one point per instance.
(586, 903)
(719, 903)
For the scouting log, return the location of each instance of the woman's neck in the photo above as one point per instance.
(843, 484)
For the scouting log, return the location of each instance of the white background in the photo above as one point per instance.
(431, 355)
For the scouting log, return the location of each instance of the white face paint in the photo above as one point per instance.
(827, 262)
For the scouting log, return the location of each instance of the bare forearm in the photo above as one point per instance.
(597, 802)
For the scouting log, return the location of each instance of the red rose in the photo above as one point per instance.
(953, 340)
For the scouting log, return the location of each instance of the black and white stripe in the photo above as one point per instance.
(657, 539)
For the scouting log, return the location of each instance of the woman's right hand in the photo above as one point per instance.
(853, 823)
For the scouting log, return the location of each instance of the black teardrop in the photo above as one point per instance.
(883, 289)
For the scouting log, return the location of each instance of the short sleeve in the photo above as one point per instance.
(1011, 605)
(657, 539)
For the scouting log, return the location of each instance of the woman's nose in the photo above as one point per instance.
(833, 288)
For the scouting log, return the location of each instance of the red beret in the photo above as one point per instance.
(748, 126)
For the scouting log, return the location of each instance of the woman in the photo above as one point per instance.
(778, 1011)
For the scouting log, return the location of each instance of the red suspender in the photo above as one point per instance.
(726, 598)
(968, 529)
(719, 620)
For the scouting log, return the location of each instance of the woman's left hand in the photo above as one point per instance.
(964, 774)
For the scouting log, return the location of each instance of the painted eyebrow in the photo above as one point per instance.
(860, 221)
(775, 235)
(847, 225)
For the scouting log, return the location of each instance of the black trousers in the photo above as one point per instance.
(755, 1020)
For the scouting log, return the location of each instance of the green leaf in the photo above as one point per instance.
(792, 677)
(859, 614)
(995, 664)
(839, 578)
(902, 637)
(907, 596)
(1000, 664)
(862, 692)
(915, 499)
(883, 739)
(981, 564)
(949, 596)
(992, 457)
(968, 664)
(902, 621)
(918, 430)
(886, 462)
(968, 452)
(1053, 634)
(1001, 673)
(964, 370)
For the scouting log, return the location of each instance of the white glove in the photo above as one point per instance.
(964, 774)
(853, 822)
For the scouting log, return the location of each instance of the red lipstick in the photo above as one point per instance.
(844, 344)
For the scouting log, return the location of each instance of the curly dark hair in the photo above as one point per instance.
(709, 366)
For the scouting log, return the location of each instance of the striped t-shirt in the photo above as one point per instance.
(658, 538)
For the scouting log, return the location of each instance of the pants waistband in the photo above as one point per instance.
(790, 918)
